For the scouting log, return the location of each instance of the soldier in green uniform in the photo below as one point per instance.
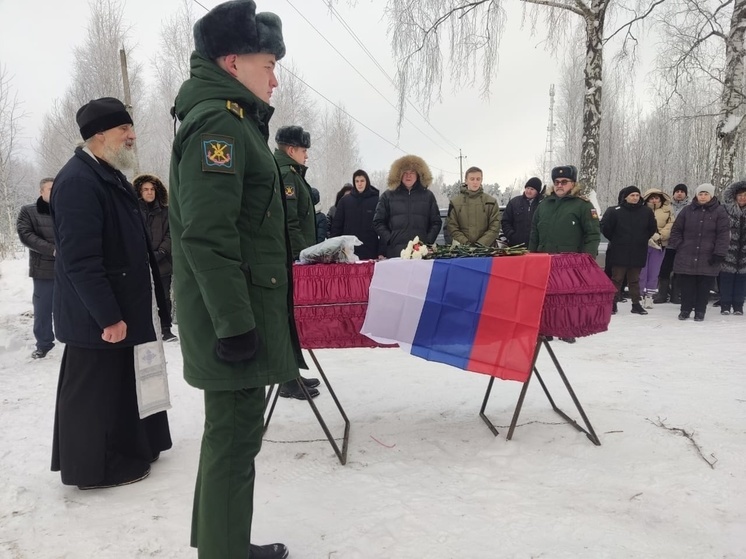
(291, 155)
(565, 221)
(232, 264)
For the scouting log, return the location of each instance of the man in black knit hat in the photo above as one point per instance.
(103, 310)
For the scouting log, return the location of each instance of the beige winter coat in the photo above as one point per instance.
(663, 218)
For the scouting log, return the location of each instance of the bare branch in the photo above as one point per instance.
(635, 19)
(688, 435)
(580, 8)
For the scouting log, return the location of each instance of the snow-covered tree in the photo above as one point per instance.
(96, 73)
(11, 114)
(705, 39)
(470, 31)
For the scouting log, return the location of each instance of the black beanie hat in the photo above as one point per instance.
(626, 191)
(565, 171)
(535, 183)
(293, 136)
(101, 114)
(235, 28)
(681, 187)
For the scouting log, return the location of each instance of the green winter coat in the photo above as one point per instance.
(232, 268)
(300, 211)
(473, 217)
(567, 224)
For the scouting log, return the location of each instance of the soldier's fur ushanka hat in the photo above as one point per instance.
(293, 136)
(235, 28)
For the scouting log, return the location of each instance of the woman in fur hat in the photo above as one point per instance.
(407, 209)
(153, 198)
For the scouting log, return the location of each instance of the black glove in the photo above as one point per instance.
(238, 348)
(716, 260)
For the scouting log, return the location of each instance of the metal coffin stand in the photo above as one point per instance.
(542, 340)
(274, 392)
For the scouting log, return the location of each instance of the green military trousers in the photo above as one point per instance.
(224, 493)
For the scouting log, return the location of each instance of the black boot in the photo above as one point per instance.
(662, 295)
(269, 551)
(167, 335)
(738, 310)
(699, 316)
(637, 309)
(683, 315)
(725, 309)
(292, 389)
(613, 308)
(310, 382)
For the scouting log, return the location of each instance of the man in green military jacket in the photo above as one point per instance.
(291, 155)
(232, 264)
(565, 221)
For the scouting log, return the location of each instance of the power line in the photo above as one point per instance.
(317, 92)
(349, 30)
(359, 73)
(392, 144)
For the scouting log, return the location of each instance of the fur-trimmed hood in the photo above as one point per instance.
(161, 194)
(407, 163)
(729, 194)
(665, 198)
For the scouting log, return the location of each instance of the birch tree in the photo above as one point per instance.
(705, 39)
(470, 31)
(10, 119)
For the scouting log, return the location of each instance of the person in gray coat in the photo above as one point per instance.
(700, 237)
(36, 232)
(733, 270)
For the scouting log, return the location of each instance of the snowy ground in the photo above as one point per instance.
(425, 477)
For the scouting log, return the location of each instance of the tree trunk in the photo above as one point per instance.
(589, 151)
(731, 112)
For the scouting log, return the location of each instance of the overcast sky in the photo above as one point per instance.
(504, 135)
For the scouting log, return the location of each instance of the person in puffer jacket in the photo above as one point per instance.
(700, 236)
(660, 203)
(733, 269)
(36, 232)
(407, 209)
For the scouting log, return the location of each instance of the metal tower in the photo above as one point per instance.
(551, 127)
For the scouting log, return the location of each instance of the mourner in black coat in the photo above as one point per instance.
(36, 232)
(354, 216)
(153, 198)
(516, 220)
(628, 226)
(407, 209)
(103, 307)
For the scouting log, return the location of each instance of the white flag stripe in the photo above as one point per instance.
(395, 301)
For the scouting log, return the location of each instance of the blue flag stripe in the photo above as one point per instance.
(450, 315)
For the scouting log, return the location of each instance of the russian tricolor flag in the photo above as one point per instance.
(478, 314)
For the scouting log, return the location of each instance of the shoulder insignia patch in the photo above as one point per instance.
(289, 191)
(235, 108)
(217, 153)
(594, 213)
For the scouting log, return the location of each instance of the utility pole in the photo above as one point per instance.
(128, 101)
(551, 127)
(461, 158)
